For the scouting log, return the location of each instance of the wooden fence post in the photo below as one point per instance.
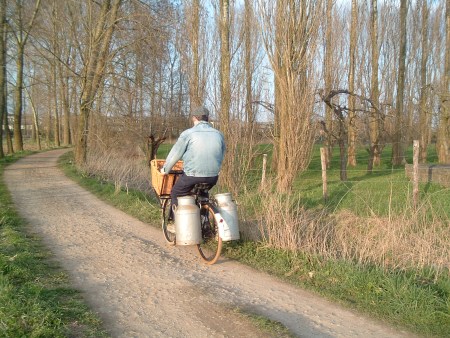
(263, 176)
(415, 173)
(323, 161)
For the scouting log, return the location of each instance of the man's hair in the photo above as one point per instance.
(201, 113)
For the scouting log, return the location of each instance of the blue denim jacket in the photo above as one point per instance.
(202, 149)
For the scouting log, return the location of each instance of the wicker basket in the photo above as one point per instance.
(163, 183)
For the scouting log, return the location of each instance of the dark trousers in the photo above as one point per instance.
(184, 185)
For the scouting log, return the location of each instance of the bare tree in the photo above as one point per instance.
(352, 132)
(225, 61)
(21, 32)
(443, 137)
(35, 118)
(248, 32)
(2, 71)
(225, 87)
(54, 68)
(94, 70)
(328, 78)
(397, 147)
(290, 37)
(192, 14)
(424, 115)
(341, 113)
(374, 118)
(64, 87)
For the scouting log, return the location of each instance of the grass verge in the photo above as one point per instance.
(36, 299)
(411, 300)
(417, 301)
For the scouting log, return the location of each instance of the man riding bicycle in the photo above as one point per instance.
(202, 149)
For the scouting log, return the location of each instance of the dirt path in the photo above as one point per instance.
(143, 288)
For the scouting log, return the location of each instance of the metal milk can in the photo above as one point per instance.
(228, 230)
(187, 222)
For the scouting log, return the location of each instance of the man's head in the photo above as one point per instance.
(200, 113)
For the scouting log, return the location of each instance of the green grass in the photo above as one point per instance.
(385, 191)
(418, 301)
(414, 300)
(36, 299)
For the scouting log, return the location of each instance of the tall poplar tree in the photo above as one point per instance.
(351, 85)
(94, 72)
(2, 71)
(21, 34)
(424, 115)
(397, 147)
(225, 88)
(290, 37)
(248, 15)
(443, 137)
(196, 94)
(328, 78)
(374, 118)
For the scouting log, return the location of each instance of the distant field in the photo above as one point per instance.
(385, 191)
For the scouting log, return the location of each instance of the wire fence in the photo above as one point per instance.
(383, 190)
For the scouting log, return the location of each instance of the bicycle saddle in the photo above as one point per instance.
(201, 188)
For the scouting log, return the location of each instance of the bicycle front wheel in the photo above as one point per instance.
(168, 226)
(211, 247)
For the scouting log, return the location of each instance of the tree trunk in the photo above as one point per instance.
(225, 60)
(195, 98)
(248, 64)
(443, 141)
(153, 145)
(397, 147)
(374, 118)
(64, 94)
(22, 35)
(55, 105)
(2, 71)
(55, 73)
(225, 90)
(82, 133)
(18, 139)
(352, 132)
(328, 65)
(9, 141)
(424, 116)
(35, 120)
(49, 122)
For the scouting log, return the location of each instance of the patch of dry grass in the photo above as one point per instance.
(414, 239)
(127, 170)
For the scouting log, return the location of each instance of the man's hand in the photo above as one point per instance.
(162, 171)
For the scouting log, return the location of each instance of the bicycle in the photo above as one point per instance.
(211, 246)
(210, 217)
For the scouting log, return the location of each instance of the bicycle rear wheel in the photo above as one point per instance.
(211, 247)
(168, 226)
